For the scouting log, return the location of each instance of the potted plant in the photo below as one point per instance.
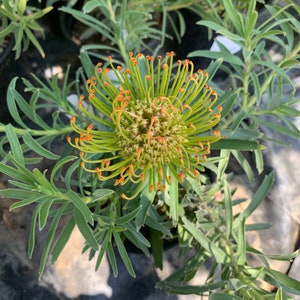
(134, 158)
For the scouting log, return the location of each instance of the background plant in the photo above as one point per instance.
(203, 223)
(19, 20)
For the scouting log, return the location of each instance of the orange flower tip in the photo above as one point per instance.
(148, 77)
(220, 108)
(164, 66)
(151, 188)
(81, 154)
(90, 127)
(139, 151)
(106, 84)
(99, 64)
(159, 57)
(72, 119)
(216, 132)
(128, 71)
(200, 71)
(205, 73)
(99, 70)
(169, 179)
(160, 172)
(180, 177)
(68, 139)
(119, 68)
(109, 58)
(163, 188)
(82, 164)
(130, 54)
(181, 90)
(196, 173)
(81, 97)
(142, 177)
(123, 196)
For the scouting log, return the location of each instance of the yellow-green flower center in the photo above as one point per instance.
(152, 132)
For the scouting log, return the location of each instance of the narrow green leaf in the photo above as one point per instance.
(44, 208)
(241, 243)
(228, 209)
(102, 194)
(184, 289)
(59, 165)
(112, 259)
(62, 239)
(103, 248)
(128, 217)
(156, 241)
(244, 164)
(223, 163)
(227, 57)
(85, 229)
(123, 254)
(235, 18)
(16, 174)
(145, 202)
(12, 94)
(137, 239)
(236, 144)
(239, 118)
(25, 202)
(50, 237)
(220, 296)
(278, 279)
(45, 186)
(259, 160)
(258, 226)
(281, 129)
(37, 148)
(15, 146)
(19, 193)
(207, 244)
(258, 197)
(31, 240)
(81, 206)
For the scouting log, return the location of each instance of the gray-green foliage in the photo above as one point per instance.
(19, 21)
(192, 215)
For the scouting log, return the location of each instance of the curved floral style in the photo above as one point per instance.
(149, 123)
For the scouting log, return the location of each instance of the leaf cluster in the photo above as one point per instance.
(19, 24)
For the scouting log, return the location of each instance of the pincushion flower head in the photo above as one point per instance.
(152, 123)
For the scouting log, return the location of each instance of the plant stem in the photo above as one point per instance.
(33, 132)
